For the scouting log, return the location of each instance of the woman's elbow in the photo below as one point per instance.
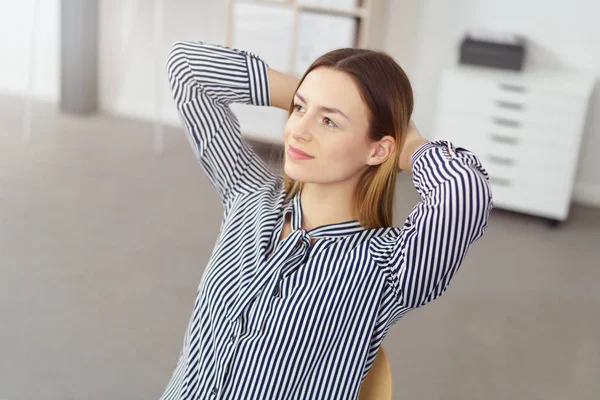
(176, 60)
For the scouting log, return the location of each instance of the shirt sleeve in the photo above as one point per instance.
(421, 258)
(205, 79)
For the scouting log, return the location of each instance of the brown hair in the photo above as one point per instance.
(387, 92)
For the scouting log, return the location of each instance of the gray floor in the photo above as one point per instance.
(103, 243)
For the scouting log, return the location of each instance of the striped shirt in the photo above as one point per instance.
(290, 319)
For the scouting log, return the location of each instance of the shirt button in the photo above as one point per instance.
(214, 392)
(232, 338)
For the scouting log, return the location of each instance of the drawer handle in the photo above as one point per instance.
(504, 139)
(502, 160)
(500, 181)
(509, 87)
(510, 105)
(506, 122)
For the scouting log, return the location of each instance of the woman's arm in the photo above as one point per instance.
(413, 141)
(422, 257)
(205, 80)
(283, 89)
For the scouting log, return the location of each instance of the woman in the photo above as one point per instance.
(308, 274)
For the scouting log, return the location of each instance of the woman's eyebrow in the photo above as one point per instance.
(324, 108)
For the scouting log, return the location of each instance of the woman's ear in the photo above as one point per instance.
(382, 150)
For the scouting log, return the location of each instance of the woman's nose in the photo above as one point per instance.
(301, 129)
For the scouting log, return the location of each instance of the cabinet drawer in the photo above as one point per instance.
(564, 136)
(525, 170)
(511, 114)
(536, 199)
(508, 93)
(509, 156)
(514, 114)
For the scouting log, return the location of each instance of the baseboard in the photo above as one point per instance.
(587, 194)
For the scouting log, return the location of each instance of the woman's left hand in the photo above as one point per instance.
(412, 142)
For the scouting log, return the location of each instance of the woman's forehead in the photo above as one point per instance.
(327, 87)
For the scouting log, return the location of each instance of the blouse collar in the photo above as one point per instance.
(337, 230)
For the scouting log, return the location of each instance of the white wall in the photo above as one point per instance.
(128, 57)
(130, 69)
(16, 23)
(423, 35)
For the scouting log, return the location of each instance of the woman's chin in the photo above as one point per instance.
(293, 172)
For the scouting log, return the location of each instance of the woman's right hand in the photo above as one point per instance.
(283, 88)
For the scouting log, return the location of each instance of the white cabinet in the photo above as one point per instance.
(526, 128)
(289, 35)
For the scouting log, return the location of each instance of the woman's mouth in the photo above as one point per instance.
(297, 154)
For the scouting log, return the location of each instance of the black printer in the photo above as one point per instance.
(498, 50)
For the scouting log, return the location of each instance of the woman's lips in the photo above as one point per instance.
(297, 154)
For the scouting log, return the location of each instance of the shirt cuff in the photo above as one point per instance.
(258, 74)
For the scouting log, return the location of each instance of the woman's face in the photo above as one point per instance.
(330, 123)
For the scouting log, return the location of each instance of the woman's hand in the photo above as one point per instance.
(283, 87)
(412, 142)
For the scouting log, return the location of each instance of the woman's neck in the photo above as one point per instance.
(327, 204)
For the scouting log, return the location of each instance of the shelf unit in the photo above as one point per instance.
(289, 35)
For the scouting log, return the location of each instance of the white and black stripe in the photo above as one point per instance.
(292, 320)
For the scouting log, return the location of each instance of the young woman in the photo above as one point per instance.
(308, 273)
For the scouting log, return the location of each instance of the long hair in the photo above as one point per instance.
(387, 92)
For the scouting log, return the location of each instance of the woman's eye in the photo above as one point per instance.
(326, 121)
(329, 123)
